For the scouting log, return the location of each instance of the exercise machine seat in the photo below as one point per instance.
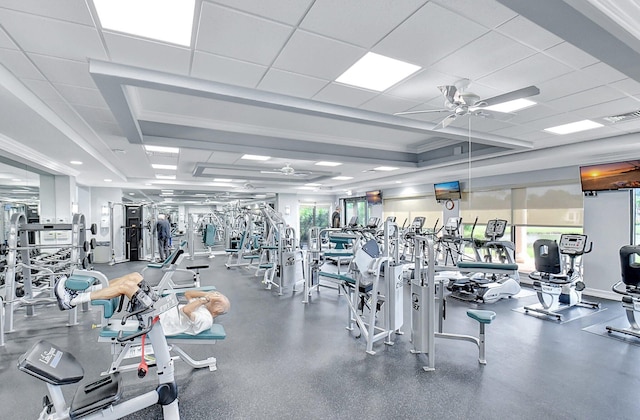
(482, 316)
(630, 270)
(478, 265)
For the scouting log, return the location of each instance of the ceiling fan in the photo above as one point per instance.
(286, 170)
(459, 102)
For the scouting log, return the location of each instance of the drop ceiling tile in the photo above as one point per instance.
(360, 22)
(43, 89)
(69, 10)
(238, 35)
(293, 84)
(567, 84)
(90, 114)
(628, 86)
(81, 96)
(317, 56)
(606, 109)
(528, 33)
(5, 41)
(226, 70)
(603, 73)
(532, 70)
(337, 93)
(570, 55)
(585, 98)
(18, 64)
(483, 56)
(54, 37)
(66, 72)
(148, 54)
(431, 28)
(488, 13)
(287, 11)
(388, 104)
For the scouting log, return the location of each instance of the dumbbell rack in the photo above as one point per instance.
(18, 246)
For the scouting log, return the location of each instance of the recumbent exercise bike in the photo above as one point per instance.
(559, 289)
(629, 288)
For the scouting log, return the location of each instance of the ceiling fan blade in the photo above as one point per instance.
(449, 92)
(511, 96)
(447, 120)
(498, 116)
(424, 111)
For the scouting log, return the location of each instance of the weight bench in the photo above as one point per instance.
(81, 280)
(169, 268)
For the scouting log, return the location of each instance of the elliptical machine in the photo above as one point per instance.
(493, 280)
(556, 288)
(631, 291)
(101, 398)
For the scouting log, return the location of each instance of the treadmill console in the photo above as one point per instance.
(418, 223)
(573, 244)
(495, 228)
(373, 222)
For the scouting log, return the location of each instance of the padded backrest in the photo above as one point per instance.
(176, 255)
(546, 254)
(629, 268)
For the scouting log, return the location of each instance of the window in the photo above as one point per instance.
(405, 210)
(544, 212)
(312, 215)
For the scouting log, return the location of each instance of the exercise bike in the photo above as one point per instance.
(102, 398)
(629, 288)
(558, 291)
(491, 280)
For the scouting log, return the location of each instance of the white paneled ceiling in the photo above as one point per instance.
(260, 76)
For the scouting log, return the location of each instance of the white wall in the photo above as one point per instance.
(607, 222)
(287, 204)
(101, 197)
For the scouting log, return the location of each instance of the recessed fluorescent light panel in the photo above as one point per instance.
(511, 106)
(222, 179)
(162, 20)
(107, 180)
(313, 184)
(326, 163)
(255, 157)
(342, 178)
(161, 149)
(573, 127)
(385, 168)
(168, 167)
(75, 162)
(377, 72)
(158, 176)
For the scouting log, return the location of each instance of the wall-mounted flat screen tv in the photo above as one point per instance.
(374, 197)
(610, 176)
(447, 191)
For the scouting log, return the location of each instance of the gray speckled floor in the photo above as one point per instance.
(286, 360)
